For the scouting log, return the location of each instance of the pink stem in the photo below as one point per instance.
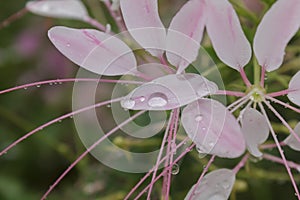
(13, 17)
(241, 164)
(165, 171)
(283, 104)
(280, 150)
(283, 121)
(230, 93)
(56, 81)
(262, 77)
(279, 160)
(201, 176)
(280, 93)
(94, 23)
(170, 124)
(171, 143)
(244, 77)
(89, 150)
(271, 146)
(150, 171)
(116, 17)
(55, 121)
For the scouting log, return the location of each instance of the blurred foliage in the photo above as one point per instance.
(32, 166)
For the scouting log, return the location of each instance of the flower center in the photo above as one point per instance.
(257, 93)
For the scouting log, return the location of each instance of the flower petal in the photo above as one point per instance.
(169, 92)
(216, 185)
(71, 9)
(185, 34)
(213, 128)
(226, 34)
(143, 23)
(291, 140)
(294, 88)
(274, 32)
(93, 50)
(255, 129)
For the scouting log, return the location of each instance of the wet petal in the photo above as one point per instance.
(169, 92)
(143, 22)
(72, 9)
(185, 34)
(294, 88)
(216, 185)
(276, 29)
(213, 129)
(255, 129)
(93, 50)
(226, 34)
(291, 141)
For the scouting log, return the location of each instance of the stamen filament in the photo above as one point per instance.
(55, 121)
(89, 150)
(280, 150)
(202, 175)
(69, 80)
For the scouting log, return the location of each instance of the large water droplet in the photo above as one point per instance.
(128, 103)
(198, 118)
(157, 100)
(175, 169)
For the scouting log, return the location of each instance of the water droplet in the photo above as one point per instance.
(298, 169)
(71, 116)
(141, 99)
(108, 105)
(216, 197)
(25, 88)
(157, 100)
(59, 121)
(38, 86)
(50, 83)
(128, 103)
(203, 128)
(199, 118)
(211, 144)
(68, 44)
(175, 169)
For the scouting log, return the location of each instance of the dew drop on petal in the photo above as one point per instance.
(157, 100)
(128, 103)
(175, 169)
(198, 118)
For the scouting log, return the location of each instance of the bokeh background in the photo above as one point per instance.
(26, 56)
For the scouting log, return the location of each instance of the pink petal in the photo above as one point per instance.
(143, 22)
(294, 88)
(213, 129)
(255, 129)
(169, 92)
(291, 141)
(226, 34)
(93, 50)
(276, 29)
(72, 9)
(216, 185)
(185, 34)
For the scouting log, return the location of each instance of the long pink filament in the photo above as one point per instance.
(56, 81)
(280, 150)
(55, 121)
(201, 176)
(89, 150)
